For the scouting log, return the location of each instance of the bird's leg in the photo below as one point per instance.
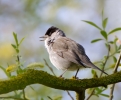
(76, 73)
(63, 73)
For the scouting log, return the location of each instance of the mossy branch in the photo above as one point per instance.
(35, 76)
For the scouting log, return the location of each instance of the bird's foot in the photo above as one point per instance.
(75, 78)
(61, 77)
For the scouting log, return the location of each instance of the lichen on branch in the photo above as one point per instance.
(32, 76)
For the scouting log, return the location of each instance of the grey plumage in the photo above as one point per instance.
(64, 53)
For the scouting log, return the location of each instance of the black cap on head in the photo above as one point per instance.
(51, 30)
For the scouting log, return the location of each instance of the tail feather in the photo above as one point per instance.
(91, 65)
(100, 70)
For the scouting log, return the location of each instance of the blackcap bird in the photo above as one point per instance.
(64, 53)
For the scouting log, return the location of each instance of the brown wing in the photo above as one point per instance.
(65, 48)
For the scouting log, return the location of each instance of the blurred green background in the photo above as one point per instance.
(31, 19)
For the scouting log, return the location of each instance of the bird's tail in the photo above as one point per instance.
(89, 64)
(100, 70)
(95, 67)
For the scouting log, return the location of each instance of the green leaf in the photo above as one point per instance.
(118, 51)
(58, 97)
(105, 22)
(93, 24)
(93, 71)
(21, 41)
(96, 95)
(16, 39)
(107, 45)
(114, 30)
(111, 42)
(49, 98)
(105, 95)
(17, 50)
(104, 34)
(95, 40)
(35, 65)
(14, 46)
(98, 90)
(114, 59)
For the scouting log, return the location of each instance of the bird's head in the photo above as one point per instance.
(53, 33)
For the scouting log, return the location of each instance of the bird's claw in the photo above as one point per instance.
(75, 78)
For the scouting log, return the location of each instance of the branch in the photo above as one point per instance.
(35, 76)
(80, 95)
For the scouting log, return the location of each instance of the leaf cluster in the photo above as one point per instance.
(109, 44)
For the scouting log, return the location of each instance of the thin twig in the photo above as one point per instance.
(55, 75)
(101, 72)
(105, 60)
(115, 70)
(111, 92)
(49, 67)
(117, 64)
(70, 95)
(18, 61)
(91, 94)
(24, 95)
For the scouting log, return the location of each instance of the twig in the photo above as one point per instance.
(115, 70)
(117, 64)
(49, 67)
(18, 61)
(55, 75)
(91, 94)
(105, 60)
(24, 95)
(111, 92)
(70, 95)
(101, 72)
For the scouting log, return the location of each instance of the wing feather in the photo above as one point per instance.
(66, 50)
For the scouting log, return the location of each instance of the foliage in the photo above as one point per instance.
(14, 69)
(109, 44)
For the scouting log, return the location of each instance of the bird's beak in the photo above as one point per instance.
(43, 38)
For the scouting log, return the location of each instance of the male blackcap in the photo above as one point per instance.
(64, 53)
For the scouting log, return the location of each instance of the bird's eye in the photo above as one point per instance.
(49, 42)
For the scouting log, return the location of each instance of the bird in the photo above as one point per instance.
(64, 53)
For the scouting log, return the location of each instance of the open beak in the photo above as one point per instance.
(43, 38)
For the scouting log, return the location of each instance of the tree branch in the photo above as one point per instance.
(80, 95)
(35, 76)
